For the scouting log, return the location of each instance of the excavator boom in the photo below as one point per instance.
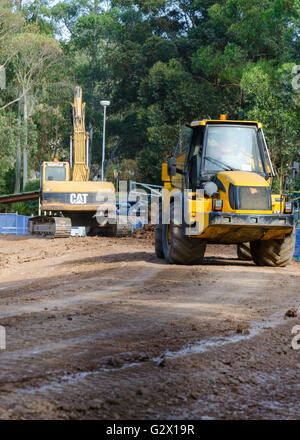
(79, 141)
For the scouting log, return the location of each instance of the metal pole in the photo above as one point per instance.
(71, 152)
(87, 152)
(103, 144)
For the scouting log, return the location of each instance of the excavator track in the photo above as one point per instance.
(51, 227)
(119, 229)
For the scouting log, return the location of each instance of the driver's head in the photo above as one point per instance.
(231, 147)
(225, 149)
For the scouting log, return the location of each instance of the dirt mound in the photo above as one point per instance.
(146, 233)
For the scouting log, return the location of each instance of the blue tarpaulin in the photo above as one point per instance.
(297, 247)
(13, 224)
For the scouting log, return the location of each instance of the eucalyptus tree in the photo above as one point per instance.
(34, 55)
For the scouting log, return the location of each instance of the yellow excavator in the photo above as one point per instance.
(68, 197)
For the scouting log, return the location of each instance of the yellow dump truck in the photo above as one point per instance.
(217, 190)
(68, 197)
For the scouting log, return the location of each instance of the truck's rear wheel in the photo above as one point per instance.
(177, 247)
(243, 252)
(274, 252)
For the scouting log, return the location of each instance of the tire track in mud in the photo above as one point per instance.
(144, 376)
(67, 298)
(198, 348)
(11, 358)
(129, 349)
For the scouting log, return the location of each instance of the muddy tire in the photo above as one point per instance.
(178, 248)
(276, 253)
(159, 251)
(243, 252)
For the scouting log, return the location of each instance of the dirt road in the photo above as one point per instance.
(100, 328)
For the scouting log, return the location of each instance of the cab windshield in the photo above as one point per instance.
(55, 173)
(231, 148)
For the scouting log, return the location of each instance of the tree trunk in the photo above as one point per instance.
(25, 168)
(19, 5)
(96, 6)
(18, 154)
(38, 12)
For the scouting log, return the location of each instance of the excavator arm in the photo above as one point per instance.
(79, 141)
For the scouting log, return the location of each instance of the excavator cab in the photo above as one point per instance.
(55, 171)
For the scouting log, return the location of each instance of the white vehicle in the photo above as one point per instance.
(78, 231)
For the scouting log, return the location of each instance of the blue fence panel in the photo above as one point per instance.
(13, 224)
(297, 247)
(22, 221)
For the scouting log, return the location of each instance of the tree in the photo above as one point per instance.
(8, 134)
(270, 98)
(160, 63)
(10, 23)
(34, 56)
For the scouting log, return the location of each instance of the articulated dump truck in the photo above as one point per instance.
(217, 190)
(68, 196)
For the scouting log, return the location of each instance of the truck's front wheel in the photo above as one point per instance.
(177, 247)
(274, 253)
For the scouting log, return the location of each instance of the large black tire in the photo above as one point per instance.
(159, 252)
(177, 247)
(243, 252)
(276, 253)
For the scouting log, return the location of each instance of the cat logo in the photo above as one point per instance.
(78, 199)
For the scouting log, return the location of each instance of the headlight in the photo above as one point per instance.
(218, 205)
(288, 207)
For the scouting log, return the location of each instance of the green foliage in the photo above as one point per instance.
(269, 97)
(8, 135)
(31, 207)
(32, 185)
(22, 208)
(160, 63)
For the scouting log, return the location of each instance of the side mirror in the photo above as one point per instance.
(195, 171)
(172, 166)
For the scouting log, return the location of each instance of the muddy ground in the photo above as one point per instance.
(98, 328)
